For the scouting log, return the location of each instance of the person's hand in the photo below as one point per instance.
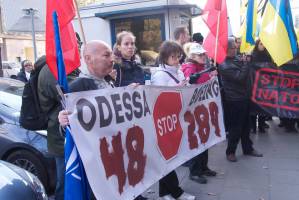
(184, 82)
(113, 74)
(134, 85)
(63, 118)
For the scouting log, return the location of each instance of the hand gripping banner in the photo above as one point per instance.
(130, 138)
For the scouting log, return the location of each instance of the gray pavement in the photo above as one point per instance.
(272, 177)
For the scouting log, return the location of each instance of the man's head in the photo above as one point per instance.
(98, 58)
(198, 38)
(231, 47)
(181, 35)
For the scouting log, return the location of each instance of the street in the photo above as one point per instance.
(272, 177)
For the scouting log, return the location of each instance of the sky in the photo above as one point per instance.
(233, 7)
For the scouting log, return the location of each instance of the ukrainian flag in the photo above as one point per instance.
(249, 28)
(277, 31)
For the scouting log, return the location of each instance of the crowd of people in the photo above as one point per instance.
(177, 62)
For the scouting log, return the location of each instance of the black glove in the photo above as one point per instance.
(194, 77)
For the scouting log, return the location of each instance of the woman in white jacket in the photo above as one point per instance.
(169, 74)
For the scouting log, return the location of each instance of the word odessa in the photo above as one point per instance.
(129, 138)
(120, 108)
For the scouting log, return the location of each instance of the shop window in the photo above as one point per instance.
(149, 32)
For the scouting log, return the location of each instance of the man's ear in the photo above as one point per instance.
(87, 59)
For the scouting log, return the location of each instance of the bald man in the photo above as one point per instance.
(98, 58)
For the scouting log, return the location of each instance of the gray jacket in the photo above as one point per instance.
(50, 103)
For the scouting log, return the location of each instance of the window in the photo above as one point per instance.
(149, 32)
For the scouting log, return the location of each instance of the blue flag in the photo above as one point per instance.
(76, 184)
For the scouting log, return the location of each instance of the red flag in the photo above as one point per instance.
(210, 17)
(66, 12)
(217, 4)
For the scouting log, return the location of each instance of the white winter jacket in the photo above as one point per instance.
(160, 77)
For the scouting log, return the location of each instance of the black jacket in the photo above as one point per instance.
(82, 84)
(128, 72)
(22, 76)
(234, 77)
(50, 103)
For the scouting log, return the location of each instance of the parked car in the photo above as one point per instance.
(10, 69)
(19, 184)
(24, 148)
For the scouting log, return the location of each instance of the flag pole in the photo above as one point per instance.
(80, 22)
(217, 35)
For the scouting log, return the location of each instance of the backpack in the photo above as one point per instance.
(31, 115)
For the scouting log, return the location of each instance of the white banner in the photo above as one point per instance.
(129, 138)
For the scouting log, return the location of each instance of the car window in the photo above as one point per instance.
(14, 90)
(12, 86)
(5, 66)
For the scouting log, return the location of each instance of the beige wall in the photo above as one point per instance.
(23, 49)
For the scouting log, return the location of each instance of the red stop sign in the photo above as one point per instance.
(168, 128)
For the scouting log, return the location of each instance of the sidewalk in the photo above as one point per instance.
(272, 177)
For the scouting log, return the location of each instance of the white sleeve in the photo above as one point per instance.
(181, 75)
(160, 78)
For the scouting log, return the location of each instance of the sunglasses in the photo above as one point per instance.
(27, 64)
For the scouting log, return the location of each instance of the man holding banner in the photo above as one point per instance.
(98, 58)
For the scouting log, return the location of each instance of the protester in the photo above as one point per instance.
(259, 55)
(195, 63)
(289, 124)
(182, 36)
(99, 60)
(168, 74)
(128, 71)
(198, 38)
(26, 68)
(50, 103)
(234, 76)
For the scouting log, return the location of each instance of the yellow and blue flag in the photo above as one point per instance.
(277, 31)
(249, 27)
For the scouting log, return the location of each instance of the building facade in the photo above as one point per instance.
(16, 29)
(151, 21)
